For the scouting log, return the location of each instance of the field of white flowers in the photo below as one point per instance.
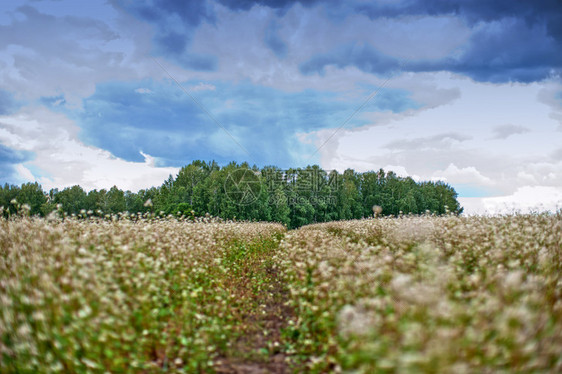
(428, 294)
(410, 294)
(127, 296)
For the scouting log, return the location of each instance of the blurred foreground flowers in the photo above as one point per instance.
(409, 294)
(428, 294)
(119, 295)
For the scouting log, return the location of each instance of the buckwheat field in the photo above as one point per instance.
(387, 295)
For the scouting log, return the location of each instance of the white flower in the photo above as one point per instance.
(513, 279)
(354, 321)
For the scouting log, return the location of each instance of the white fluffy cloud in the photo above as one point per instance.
(524, 200)
(455, 175)
(62, 160)
(464, 143)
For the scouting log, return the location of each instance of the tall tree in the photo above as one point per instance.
(72, 199)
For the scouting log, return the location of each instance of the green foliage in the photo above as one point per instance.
(293, 197)
(72, 199)
(13, 198)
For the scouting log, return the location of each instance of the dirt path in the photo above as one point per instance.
(259, 349)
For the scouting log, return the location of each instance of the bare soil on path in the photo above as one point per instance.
(259, 349)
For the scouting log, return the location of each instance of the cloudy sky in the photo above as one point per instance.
(126, 92)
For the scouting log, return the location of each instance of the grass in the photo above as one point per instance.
(410, 294)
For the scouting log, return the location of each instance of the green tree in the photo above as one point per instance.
(115, 201)
(73, 199)
(8, 199)
(294, 197)
(32, 194)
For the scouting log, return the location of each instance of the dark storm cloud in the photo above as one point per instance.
(175, 22)
(274, 42)
(500, 51)
(361, 55)
(274, 4)
(512, 40)
(547, 12)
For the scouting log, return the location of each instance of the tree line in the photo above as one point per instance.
(294, 197)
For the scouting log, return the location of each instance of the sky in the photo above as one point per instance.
(125, 93)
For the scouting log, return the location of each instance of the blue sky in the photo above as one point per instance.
(466, 91)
